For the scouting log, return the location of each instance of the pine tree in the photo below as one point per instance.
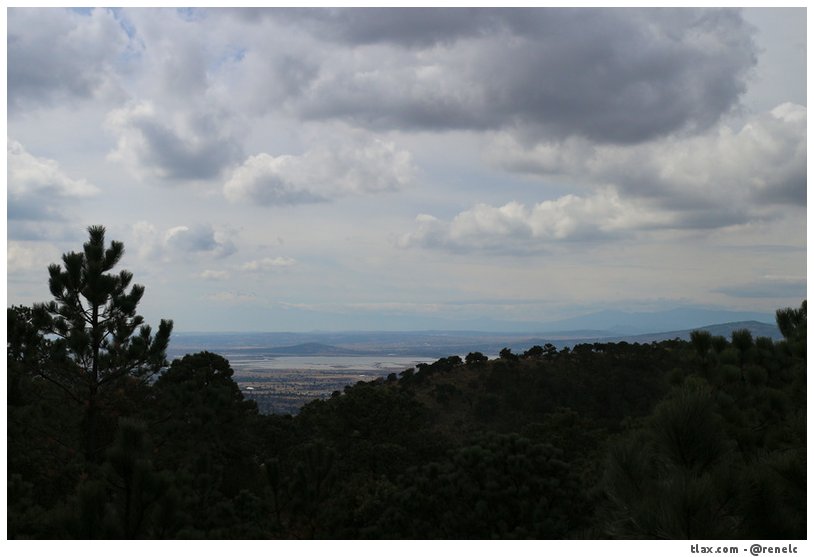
(792, 325)
(674, 477)
(702, 342)
(100, 340)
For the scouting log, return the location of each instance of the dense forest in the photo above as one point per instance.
(703, 439)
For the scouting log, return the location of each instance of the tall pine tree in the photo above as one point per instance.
(100, 340)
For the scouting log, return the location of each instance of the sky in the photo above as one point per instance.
(396, 169)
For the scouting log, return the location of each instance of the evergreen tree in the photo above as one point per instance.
(673, 479)
(702, 342)
(792, 325)
(101, 340)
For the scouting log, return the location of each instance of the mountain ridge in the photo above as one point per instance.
(431, 343)
(611, 321)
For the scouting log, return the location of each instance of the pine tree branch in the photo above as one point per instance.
(61, 386)
(83, 310)
(123, 371)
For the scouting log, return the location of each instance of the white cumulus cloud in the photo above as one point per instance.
(722, 177)
(321, 174)
(518, 228)
(715, 180)
(209, 274)
(38, 188)
(232, 297)
(268, 263)
(28, 174)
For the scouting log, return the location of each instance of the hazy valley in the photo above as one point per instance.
(284, 371)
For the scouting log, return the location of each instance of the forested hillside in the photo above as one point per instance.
(675, 439)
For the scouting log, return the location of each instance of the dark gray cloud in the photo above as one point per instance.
(614, 75)
(193, 145)
(59, 55)
(412, 27)
(179, 159)
(200, 238)
(609, 75)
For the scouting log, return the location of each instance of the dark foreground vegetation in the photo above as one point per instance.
(700, 439)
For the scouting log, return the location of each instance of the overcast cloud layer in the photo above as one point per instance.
(285, 169)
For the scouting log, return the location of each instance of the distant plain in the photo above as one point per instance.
(283, 371)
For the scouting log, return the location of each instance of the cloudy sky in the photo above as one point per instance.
(305, 169)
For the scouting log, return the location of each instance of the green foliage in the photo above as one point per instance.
(719, 343)
(474, 358)
(722, 456)
(792, 322)
(792, 325)
(687, 430)
(26, 351)
(702, 342)
(669, 480)
(445, 392)
(204, 430)
(127, 497)
(501, 486)
(773, 497)
(487, 406)
(743, 342)
(94, 316)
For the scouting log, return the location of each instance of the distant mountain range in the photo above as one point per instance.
(436, 344)
(679, 319)
(607, 322)
(757, 329)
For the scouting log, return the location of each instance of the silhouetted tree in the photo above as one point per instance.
(26, 350)
(507, 354)
(100, 338)
(742, 341)
(792, 322)
(702, 342)
(475, 358)
(203, 426)
(719, 344)
(792, 325)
